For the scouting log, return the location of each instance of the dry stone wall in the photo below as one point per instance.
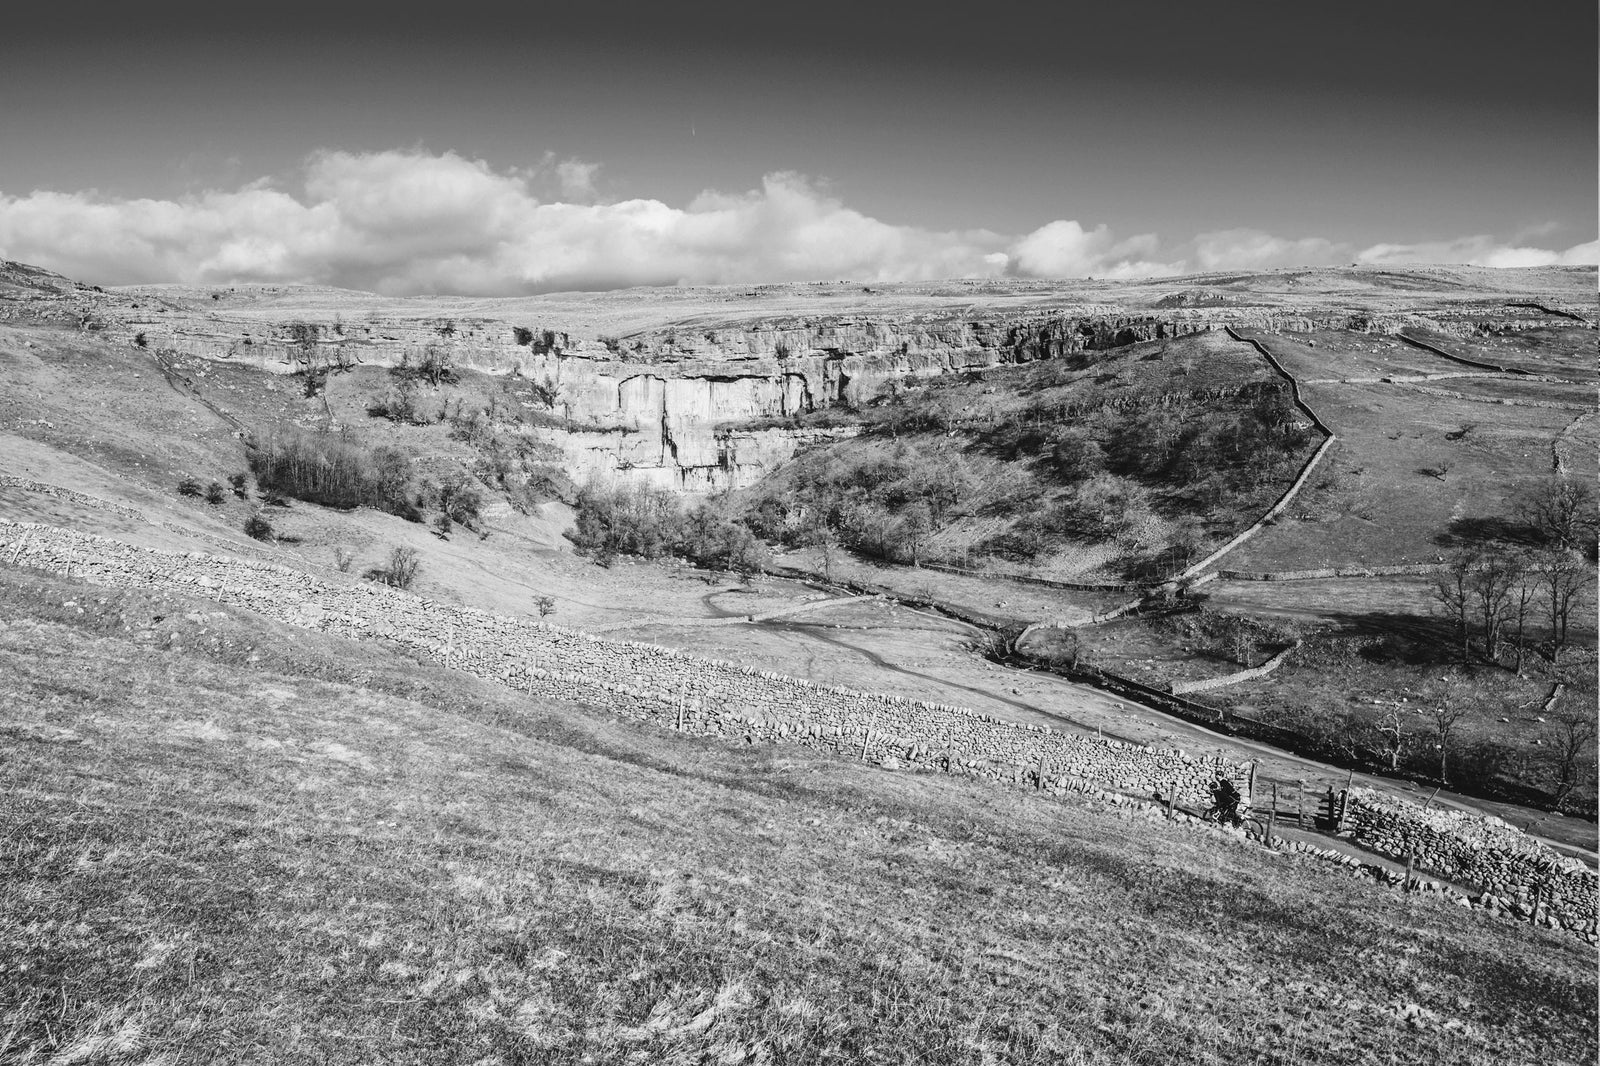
(637, 680)
(1513, 871)
(1206, 685)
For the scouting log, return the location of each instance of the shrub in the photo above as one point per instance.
(343, 559)
(432, 365)
(258, 528)
(238, 483)
(523, 335)
(650, 523)
(461, 502)
(189, 487)
(399, 404)
(141, 340)
(215, 493)
(400, 571)
(332, 469)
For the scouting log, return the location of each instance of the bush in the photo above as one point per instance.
(215, 493)
(189, 487)
(238, 483)
(258, 528)
(399, 405)
(649, 522)
(432, 366)
(523, 335)
(141, 340)
(332, 469)
(400, 571)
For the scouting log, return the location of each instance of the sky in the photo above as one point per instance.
(496, 149)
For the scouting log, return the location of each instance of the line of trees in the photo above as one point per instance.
(1513, 600)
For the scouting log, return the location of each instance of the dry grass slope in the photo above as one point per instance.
(223, 841)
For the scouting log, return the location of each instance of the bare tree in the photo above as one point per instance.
(1490, 584)
(1562, 511)
(546, 605)
(1566, 581)
(913, 530)
(1523, 596)
(1392, 738)
(1571, 734)
(822, 536)
(1453, 591)
(1446, 717)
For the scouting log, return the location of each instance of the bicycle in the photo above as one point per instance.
(1242, 818)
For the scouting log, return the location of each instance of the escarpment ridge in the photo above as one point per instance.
(679, 388)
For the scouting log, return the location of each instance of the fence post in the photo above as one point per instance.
(1250, 794)
(1038, 784)
(1172, 792)
(1300, 806)
(680, 711)
(1411, 864)
(1272, 817)
(865, 740)
(1533, 918)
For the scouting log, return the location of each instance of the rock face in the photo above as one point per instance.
(694, 413)
(696, 399)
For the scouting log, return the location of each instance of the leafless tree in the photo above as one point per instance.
(1452, 590)
(1490, 584)
(1562, 510)
(1566, 582)
(1392, 738)
(1524, 595)
(1570, 734)
(1446, 716)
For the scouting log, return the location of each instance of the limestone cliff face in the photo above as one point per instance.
(671, 406)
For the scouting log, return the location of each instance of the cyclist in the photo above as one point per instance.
(1225, 802)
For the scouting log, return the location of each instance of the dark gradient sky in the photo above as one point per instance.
(1358, 122)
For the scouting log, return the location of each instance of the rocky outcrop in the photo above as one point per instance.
(671, 405)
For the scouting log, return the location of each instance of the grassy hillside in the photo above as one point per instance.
(1112, 465)
(230, 841)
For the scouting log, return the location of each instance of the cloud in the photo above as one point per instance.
(1252, 249)
(412, 222)
(1481, 250)
(407, 222)
(1063, 248)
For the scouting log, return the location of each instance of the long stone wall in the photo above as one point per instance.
(1326, 573)
(1299, 482)
(636, 680)
(1513, 871)
(1206, 685)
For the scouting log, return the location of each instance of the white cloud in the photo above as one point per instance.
(1063, 249)
(416, 222)
(408, 222)
(1480, 250)
(1252, 249)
